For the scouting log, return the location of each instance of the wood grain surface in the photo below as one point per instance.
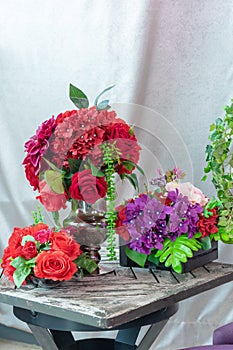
(117, 296)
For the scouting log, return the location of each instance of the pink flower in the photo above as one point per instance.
(42, 236)
(38, 144)
(193, 193)
(46, 129)
(51, 200)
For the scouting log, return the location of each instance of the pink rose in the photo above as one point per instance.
(51, 200)
(193, 193)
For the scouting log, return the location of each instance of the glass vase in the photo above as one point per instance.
(88, 227)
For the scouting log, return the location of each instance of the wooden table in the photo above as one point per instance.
(124, 299)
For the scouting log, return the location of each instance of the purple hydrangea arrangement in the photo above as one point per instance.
(168, 224)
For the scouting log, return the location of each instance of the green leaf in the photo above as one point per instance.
(177, 252)
(103, 105)
(165, 254)
(31, 262)
(27, 238)
(54, 180)
(56, 218)
(138, 258)
(133, 180)
(131, 130)
(105, 90)
(183, 247)
(204, 178)
(179, 255)
(212, 127)
(206, 243)
(22, 270)
(74, 165)
(129, 165)
(52, 166)
(17, 262)
(20, 275)
(153, 259)
(95, 171)
(85, 263)
(78, 97)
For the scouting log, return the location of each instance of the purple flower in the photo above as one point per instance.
(146, 242)
(135, 208)
(159, 181)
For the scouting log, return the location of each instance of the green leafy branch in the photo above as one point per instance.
(219, 159)
(37, 215)
(110, 157)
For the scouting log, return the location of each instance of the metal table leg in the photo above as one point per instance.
(43, 337)
(151, 335)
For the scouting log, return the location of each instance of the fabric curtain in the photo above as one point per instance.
(172, 63)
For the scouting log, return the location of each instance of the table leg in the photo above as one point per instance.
(151, 334)
(126, 338)
(43, 337)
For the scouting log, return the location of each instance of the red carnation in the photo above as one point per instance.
(208, 225)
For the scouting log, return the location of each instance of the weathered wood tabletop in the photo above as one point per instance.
(118, 297)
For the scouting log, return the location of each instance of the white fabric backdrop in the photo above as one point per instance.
(173, 57)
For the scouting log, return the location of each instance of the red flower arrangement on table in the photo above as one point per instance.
(74, 156)
(37, 251)
(168, 225)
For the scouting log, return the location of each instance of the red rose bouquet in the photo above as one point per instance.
(65, 158)
(37, 251)
(75, 155)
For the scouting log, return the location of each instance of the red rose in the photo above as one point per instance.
(62, 241)
(6, 264)
(15, 240)
(29, 250)
(87, 187)
(125, 141)
(208, 225)
(118, 130)
(129, 149)
(55, 265)
(60, 118)
(38, 227)
(51, 200)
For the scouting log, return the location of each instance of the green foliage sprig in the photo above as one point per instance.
(219, 159)
(37, 215)
(110, 158)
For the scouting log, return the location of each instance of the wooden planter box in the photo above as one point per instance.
(200, 258)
